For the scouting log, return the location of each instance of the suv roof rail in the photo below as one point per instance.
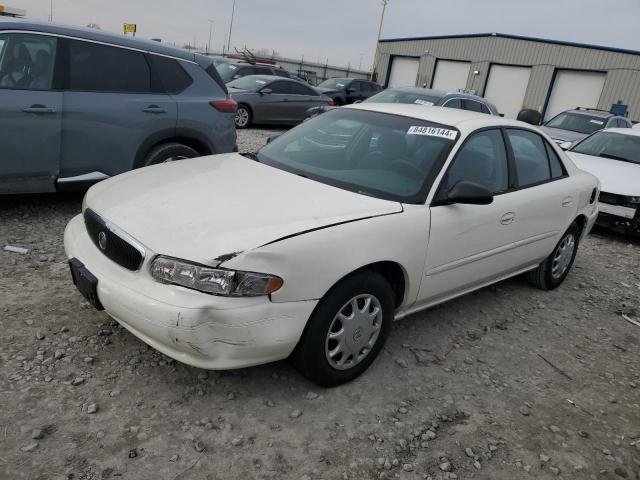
(593, 109)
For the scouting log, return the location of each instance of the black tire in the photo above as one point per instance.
(530, 116)
(168, 152)
(544, 277)
(243, 117)
(338, 102)
(310, 357)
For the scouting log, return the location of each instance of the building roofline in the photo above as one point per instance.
(515, 37)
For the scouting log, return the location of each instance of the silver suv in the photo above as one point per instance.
(80, 105)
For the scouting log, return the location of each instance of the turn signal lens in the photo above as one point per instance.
(216, 281)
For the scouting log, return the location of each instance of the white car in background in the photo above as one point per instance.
(613, 155)
(311, 247)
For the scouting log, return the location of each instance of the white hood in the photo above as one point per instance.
(622, 178)
(208, 207)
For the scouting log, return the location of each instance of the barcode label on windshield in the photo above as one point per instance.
(419, 101)
(433, 132)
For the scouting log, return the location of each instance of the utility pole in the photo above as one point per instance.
(51, 11)
(360, 64)
(375, 53)
(210, 29)
(233, 11)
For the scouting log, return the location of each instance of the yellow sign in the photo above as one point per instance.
(1, 8)
(130, 28)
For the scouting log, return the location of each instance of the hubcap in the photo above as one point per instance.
(353, 332)
(562, 256)
(242, 117)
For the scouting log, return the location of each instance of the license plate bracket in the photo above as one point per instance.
(85, 282)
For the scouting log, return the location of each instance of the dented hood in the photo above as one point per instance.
(209, 207)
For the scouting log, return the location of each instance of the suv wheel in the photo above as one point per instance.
(169, 152)
(243, 116)
(346, 331)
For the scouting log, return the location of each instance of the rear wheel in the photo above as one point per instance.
(552, 272)
(346, 331)
(243, 116)
(169, 152)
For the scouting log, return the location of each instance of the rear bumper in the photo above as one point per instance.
(202, 330)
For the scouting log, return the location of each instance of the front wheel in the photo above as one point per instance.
(552, 272)
(346, 331)
(243, 116)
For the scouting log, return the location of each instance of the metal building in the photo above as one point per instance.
(517, 72)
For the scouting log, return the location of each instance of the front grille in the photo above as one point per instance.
(612, 198)
(111, 244)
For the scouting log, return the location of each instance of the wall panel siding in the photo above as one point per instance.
(623, 68)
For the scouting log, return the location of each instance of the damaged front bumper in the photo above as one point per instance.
(195, 328)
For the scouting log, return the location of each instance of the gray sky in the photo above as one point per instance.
(343, 30)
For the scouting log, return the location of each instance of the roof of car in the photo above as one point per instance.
(461, 119)
(420, 91)
(590, 112)
(270, 78)
(96, 36)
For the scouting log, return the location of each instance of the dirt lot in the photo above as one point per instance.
(505, 383)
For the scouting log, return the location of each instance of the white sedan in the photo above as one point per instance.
(613, 155)
(311, 247)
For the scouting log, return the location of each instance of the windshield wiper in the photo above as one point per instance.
(250, 156)
(615, 157)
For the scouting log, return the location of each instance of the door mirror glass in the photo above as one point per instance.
(471, 193)
(266, 91)
(565, 145)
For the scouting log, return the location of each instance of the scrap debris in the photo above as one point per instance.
(11, 248)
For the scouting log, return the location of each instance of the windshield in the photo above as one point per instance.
(377, 154)
(250, 83)
(398, 96)
(576, 122)
(335, 83)
(617, 146)
(227, 71)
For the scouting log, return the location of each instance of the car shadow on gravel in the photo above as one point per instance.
(615, 236)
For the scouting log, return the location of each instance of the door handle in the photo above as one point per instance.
(37, 108)
(507, 218)
(567, 201)
(154, 109)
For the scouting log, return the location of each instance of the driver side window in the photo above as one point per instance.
(26, 61)
(483, 160)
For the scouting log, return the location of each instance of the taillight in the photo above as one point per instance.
(331, 103)
(227, 106)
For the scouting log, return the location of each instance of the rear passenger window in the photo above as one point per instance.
(101, 68)
(555, 164)
(482, 159)
(455, 103)
(262, 71)
(172, 76)
(473, 106)
(530, 156)
(299, 89)
(280, 87)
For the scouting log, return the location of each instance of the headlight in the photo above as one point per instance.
(217, 281)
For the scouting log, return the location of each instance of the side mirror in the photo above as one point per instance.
(266, 91)
(471, 193)
(358, 101)
(235, 76)
(565, 145)
(271, 138)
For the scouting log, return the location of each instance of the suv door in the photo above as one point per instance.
(354, 91)
(470, 245)
(111, 108)
(30, 113)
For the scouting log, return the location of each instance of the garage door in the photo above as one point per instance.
(573, 89)
(450, 75)
(404, 72)
(506, 87)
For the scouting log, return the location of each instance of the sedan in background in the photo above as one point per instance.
(571, 126)
(613, 155)
(264, 99)
(345, 91)
(439, 98)
(315, 243)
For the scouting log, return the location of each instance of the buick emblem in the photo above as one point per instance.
(357, 335)
(102, 240)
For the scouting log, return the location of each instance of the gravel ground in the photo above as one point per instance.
(506, 383)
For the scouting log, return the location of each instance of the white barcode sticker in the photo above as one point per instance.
(419, 101)
(597, 122)
(433, 132)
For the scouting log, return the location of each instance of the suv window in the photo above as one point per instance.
(530, 156)
(101, 68)
(280, 87)
(472, 105)
(299, 89)
(262, 71)
(482, 159)
(356, 85)
(26, 61)
(172, 76)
